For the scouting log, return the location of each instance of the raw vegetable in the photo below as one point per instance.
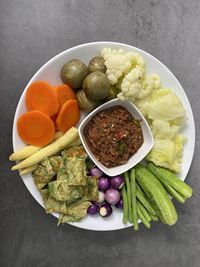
(112, 93)
(85, 103)
(142, 216)
(58, 134)
(173, 192)
(117, 182)
(164, 130)
(118, 63)
(23, 153)
(27, 170)
(165, 105)
(68, 115)
(133, 199)
(153, 218)
(171, 179)
(96, 172)
(128, 188)
(96, 85)
(53, 118)
(145, 201)
(73, 73)
(104, 184)
(144, 211)
(120, 205)
(49, 150)
(96, 64)
(42, 96)
(125, 205)
(167, 153)
(101, 197)
(64, 92)
(112, 196)
(29, 150)
(105, 210)
(93, 209)
(35, 128)
(157, 195)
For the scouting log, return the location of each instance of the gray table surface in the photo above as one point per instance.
(31, 33)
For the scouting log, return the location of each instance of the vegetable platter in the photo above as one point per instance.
(110, 217)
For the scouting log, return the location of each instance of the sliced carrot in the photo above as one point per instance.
(53, 118)
(35, 128)
(42, 96)
(68, 115)
(64, 93)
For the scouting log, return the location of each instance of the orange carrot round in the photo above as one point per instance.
(42, 96)
(64, 93)
(35, 128)
(53, 118)
(68, 115)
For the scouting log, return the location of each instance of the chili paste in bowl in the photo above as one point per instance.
(116, 136)
(113, 135)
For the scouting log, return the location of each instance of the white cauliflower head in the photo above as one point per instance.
(118, 63)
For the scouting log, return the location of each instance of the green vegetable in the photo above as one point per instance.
(113, 92)
(73, 73)
(173, 192)
(157, 195)
(170, 178)
(133, 195)
(85, 103)
(142, 217)
(125, 204)
(144, 211)
(145, 201)
(128, 187)
(167, 152)
(165, 105)
(96, 64)
(96, 85)
(153, 218)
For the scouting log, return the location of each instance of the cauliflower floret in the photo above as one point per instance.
(131, 84)
(150, 83)
(119, 63)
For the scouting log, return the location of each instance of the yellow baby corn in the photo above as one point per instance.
(58, 134)
(49, 150)
(24, 153)
(29, 169)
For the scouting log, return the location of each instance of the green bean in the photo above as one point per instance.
(133, 198)
(125, 205)
(153, 218)
(128, 188)
(145, 201)
(144, 211)
(142, 217)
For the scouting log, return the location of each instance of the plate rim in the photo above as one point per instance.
(106, 43)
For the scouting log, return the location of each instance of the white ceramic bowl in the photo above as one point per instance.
(138, 156)
(50, 72)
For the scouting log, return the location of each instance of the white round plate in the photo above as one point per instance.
(51, 72)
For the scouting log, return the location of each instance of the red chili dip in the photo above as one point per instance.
(113, 135)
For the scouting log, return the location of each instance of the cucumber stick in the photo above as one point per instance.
(173, 192)
(170, 178)
(157, 195)
(143, 199)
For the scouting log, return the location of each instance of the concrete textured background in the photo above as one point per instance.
(31, 32)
